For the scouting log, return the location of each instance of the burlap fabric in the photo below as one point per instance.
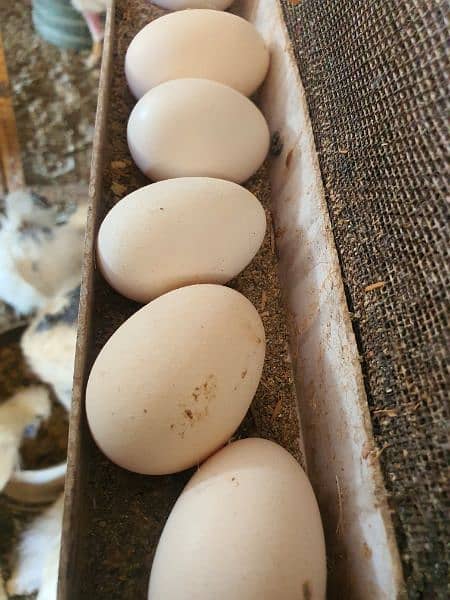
(376, 76)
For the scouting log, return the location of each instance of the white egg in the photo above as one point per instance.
(182, 4)
(246, 526)
(174, 382)
(197, 127)
(178, 232)
(205, 44)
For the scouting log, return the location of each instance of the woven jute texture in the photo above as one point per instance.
(376, 75)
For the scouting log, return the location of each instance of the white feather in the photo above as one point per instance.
(49, 584)
(38, 555)
(50, 353)
(24, 408)
(39, 262)
(38, 256)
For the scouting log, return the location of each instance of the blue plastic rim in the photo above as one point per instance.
(58, 23)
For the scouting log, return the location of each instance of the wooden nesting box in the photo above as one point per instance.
(311, 398)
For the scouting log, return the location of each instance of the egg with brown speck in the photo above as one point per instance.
(167, 389)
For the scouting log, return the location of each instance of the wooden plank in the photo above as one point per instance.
(11, 173)
(74, 518)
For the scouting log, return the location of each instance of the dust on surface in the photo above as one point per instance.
(206, 391)
(197, 407)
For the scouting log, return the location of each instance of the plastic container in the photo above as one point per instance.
(58, 23)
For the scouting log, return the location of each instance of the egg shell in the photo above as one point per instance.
(179, 232)
(183, 4)
(197, 127)
(246, 526)
(175, 380)
(205, 44)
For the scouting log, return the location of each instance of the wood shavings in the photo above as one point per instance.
(277, 409)
(262, 305)
(373, 454)
(396, 410)
(367, 551)
(388, 412)
(375, 286)
(366, 450)
(340, 523)
(118, 189)
(272, 237)
(120, 164)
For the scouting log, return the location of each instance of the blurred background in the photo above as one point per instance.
(54, 95)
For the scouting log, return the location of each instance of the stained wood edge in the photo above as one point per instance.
(73, 518)
(11, 169)
(341, 456)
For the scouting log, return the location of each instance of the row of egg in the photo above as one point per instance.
(247, 524)
(191, 72)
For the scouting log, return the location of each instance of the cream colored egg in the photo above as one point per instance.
(178, 232)
(206, 44)
(182, 4)
(246, 526)
(175, 380)
(197, 127)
